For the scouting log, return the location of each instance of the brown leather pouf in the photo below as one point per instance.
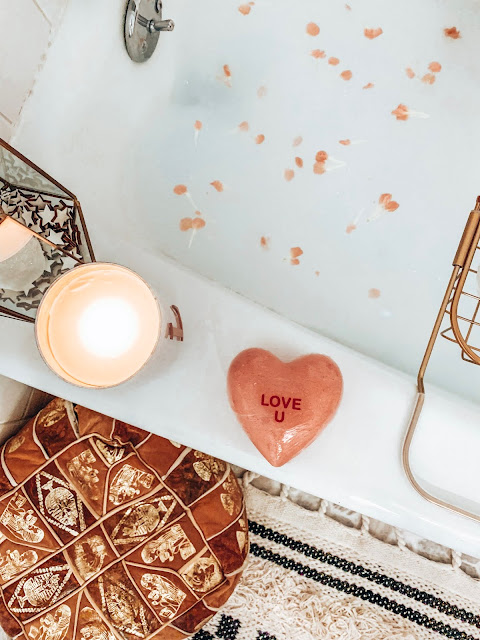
(108, 531)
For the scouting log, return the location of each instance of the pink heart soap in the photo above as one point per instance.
(283, 406)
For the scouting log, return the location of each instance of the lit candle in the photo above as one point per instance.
(21, 257)
(97, 325)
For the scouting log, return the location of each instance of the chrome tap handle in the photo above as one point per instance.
(161, 25)
(155, 25)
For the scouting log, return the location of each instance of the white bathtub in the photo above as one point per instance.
(122, 136)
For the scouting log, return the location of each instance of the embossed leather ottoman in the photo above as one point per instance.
(108, 531)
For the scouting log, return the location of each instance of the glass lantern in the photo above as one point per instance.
(42, 234)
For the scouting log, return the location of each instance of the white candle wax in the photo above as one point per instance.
(98, 324)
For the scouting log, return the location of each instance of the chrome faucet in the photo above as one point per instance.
(143, 24)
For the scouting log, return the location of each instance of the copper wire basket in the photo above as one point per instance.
(461, 307)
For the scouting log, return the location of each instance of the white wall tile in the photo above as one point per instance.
(53, 10)
(6, 128)
(24, 34)
(17, 403)
(14, 397)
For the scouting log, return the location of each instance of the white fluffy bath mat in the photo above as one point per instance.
(311, 578)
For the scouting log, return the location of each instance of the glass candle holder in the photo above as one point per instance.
(98, 325)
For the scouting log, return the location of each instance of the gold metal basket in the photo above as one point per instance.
(461, 306)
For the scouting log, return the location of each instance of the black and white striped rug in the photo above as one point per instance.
(311, 578)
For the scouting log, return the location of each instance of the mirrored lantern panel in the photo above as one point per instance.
(28, 265)
(15, 170)
(50, 239)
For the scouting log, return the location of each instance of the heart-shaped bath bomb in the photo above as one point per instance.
(283, 406)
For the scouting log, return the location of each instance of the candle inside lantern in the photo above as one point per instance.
(98, 324)
(21, 257)
(13, 237)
